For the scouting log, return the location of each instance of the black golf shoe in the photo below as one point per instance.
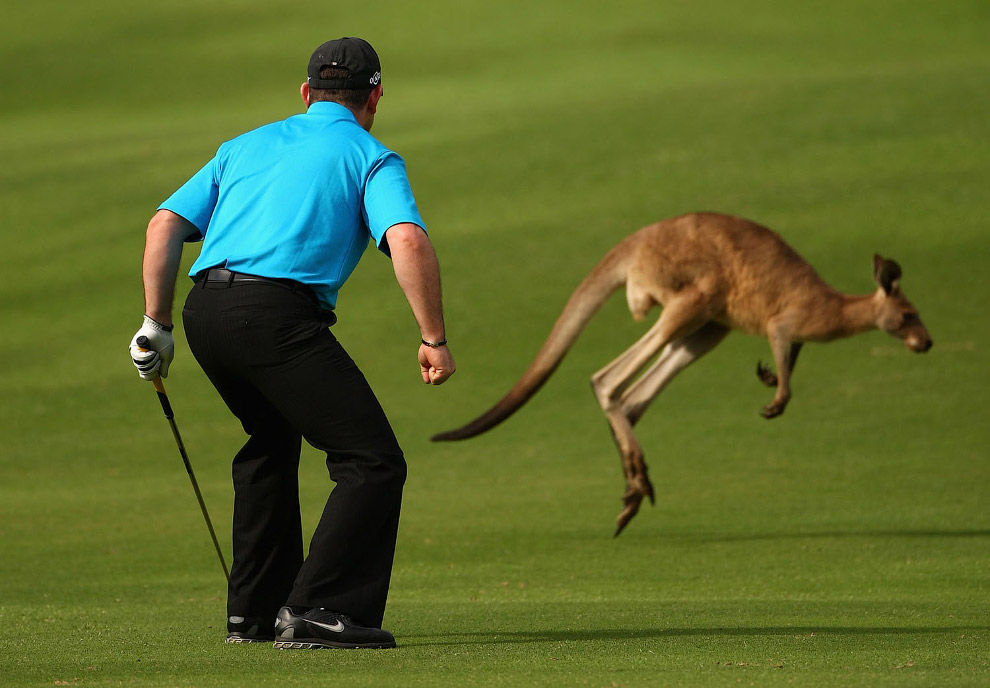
(313, 629)
(250, 629)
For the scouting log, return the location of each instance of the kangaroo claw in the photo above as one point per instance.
(623, 520)
(772, 411)
(632, 500)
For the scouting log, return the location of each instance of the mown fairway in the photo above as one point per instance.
(844, 544)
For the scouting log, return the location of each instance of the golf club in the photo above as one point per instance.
(142, 343)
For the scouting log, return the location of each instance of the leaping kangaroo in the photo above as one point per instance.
(710, 273)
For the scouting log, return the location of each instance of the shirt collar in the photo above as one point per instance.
(325, 108)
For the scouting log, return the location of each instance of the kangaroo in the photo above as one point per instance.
(710, 273)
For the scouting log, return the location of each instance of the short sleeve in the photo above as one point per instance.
(196, 199)
(388, 198)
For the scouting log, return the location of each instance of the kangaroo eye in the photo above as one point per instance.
(909, 318)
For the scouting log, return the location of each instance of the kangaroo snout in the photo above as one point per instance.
(919, 345)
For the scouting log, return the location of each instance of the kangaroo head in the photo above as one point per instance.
(895, 315)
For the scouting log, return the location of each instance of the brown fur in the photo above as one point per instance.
(711, 274)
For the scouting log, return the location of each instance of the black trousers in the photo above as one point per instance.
(269, 352)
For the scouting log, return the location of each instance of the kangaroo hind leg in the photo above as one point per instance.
(679, 320)
(675, 357)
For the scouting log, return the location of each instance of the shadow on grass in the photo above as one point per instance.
(837, 534)
(605, 635)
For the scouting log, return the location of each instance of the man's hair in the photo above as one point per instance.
(354, 98)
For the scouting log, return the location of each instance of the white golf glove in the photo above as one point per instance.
(155, 356)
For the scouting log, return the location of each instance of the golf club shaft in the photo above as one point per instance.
(170, 416)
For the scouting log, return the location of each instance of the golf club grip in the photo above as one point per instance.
(143, 343)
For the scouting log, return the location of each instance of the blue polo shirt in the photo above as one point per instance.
(297, 199)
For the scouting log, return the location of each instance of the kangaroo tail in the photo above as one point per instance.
(586, 300)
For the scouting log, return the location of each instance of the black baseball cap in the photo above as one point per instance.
(354, 54)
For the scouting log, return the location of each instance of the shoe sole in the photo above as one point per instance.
(233, 639)
(329, 645)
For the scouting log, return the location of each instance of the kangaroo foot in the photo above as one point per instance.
(637, 489)
(772, 410)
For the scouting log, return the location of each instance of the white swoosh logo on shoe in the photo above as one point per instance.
(336, 627)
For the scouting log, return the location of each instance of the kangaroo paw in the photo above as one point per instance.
(772, 410)
(766, 375)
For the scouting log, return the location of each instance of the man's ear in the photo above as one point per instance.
(304, 93)
(376, 94)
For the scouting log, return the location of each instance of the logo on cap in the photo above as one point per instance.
(375, 78)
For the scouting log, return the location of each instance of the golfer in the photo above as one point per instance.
(284, 213)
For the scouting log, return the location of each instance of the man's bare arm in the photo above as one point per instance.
(418, 274)
(162, 254)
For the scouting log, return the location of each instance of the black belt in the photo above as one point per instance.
(225, 276)
(229, 277)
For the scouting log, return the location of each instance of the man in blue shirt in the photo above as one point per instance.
(285, 213)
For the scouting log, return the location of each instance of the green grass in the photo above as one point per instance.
(845, 544)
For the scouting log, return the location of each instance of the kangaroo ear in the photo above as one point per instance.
(887, 274)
